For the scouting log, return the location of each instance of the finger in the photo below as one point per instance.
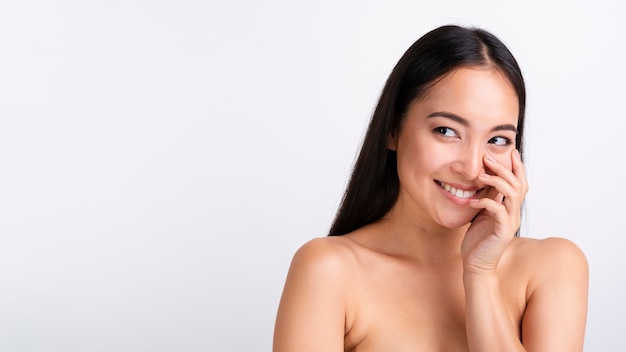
(499, 213)
(504, 188)
(516, 177)
(491, 207)
(505, 172)
(499, 198)
(510, 197)
(519, 171)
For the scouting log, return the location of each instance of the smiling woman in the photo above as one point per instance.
(423, 253)
(439, 151)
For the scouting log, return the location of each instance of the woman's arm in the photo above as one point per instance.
(555, 315)
(488, 325)
(556, 311)
(311, 315)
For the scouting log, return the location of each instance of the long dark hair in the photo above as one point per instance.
(374, 184)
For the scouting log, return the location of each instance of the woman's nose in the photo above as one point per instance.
(470, 162)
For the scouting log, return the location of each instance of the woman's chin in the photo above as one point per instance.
(454, 221)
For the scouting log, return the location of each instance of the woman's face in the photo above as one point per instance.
(444, 137)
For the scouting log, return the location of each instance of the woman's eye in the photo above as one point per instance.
(500, 140)
(446, 131)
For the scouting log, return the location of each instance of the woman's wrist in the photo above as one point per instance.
(480, 279)
(479, 273)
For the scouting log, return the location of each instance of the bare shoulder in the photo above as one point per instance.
(549, 249)
(324, 257)
(314, 310)
(556, 293)
(326, 245)
(549, 259)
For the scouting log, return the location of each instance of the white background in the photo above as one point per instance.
(161, 161)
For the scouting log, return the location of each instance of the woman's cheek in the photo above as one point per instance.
(507, 163)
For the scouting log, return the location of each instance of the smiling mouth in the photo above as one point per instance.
(459, 193)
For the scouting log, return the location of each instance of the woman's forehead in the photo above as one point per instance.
(481, 94)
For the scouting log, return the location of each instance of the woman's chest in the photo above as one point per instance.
(410, 309)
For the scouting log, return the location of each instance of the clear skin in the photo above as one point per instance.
(426, 279)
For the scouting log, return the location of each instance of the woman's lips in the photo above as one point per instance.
(458, 192)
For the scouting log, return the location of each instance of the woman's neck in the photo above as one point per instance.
(418, 236)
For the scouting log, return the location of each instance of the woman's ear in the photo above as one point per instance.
(392, 141)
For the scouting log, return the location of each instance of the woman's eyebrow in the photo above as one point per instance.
(450, 116)
(465, 122)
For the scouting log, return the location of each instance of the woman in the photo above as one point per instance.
(423, 254)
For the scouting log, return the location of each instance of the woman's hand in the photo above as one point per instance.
(495, 225)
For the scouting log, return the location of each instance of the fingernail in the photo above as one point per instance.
(490, 158)
(517, 155)
(483, 175)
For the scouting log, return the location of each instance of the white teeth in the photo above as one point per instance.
(459, 193)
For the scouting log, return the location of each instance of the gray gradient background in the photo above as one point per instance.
(161, 161)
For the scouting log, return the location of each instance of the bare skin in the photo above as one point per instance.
(442, 271)
(363, 299)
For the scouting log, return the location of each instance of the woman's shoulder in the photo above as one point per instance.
(314, 307)
(556, 291)
(331, 254)
(321, 273)
(549, 248)
(549, 258)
